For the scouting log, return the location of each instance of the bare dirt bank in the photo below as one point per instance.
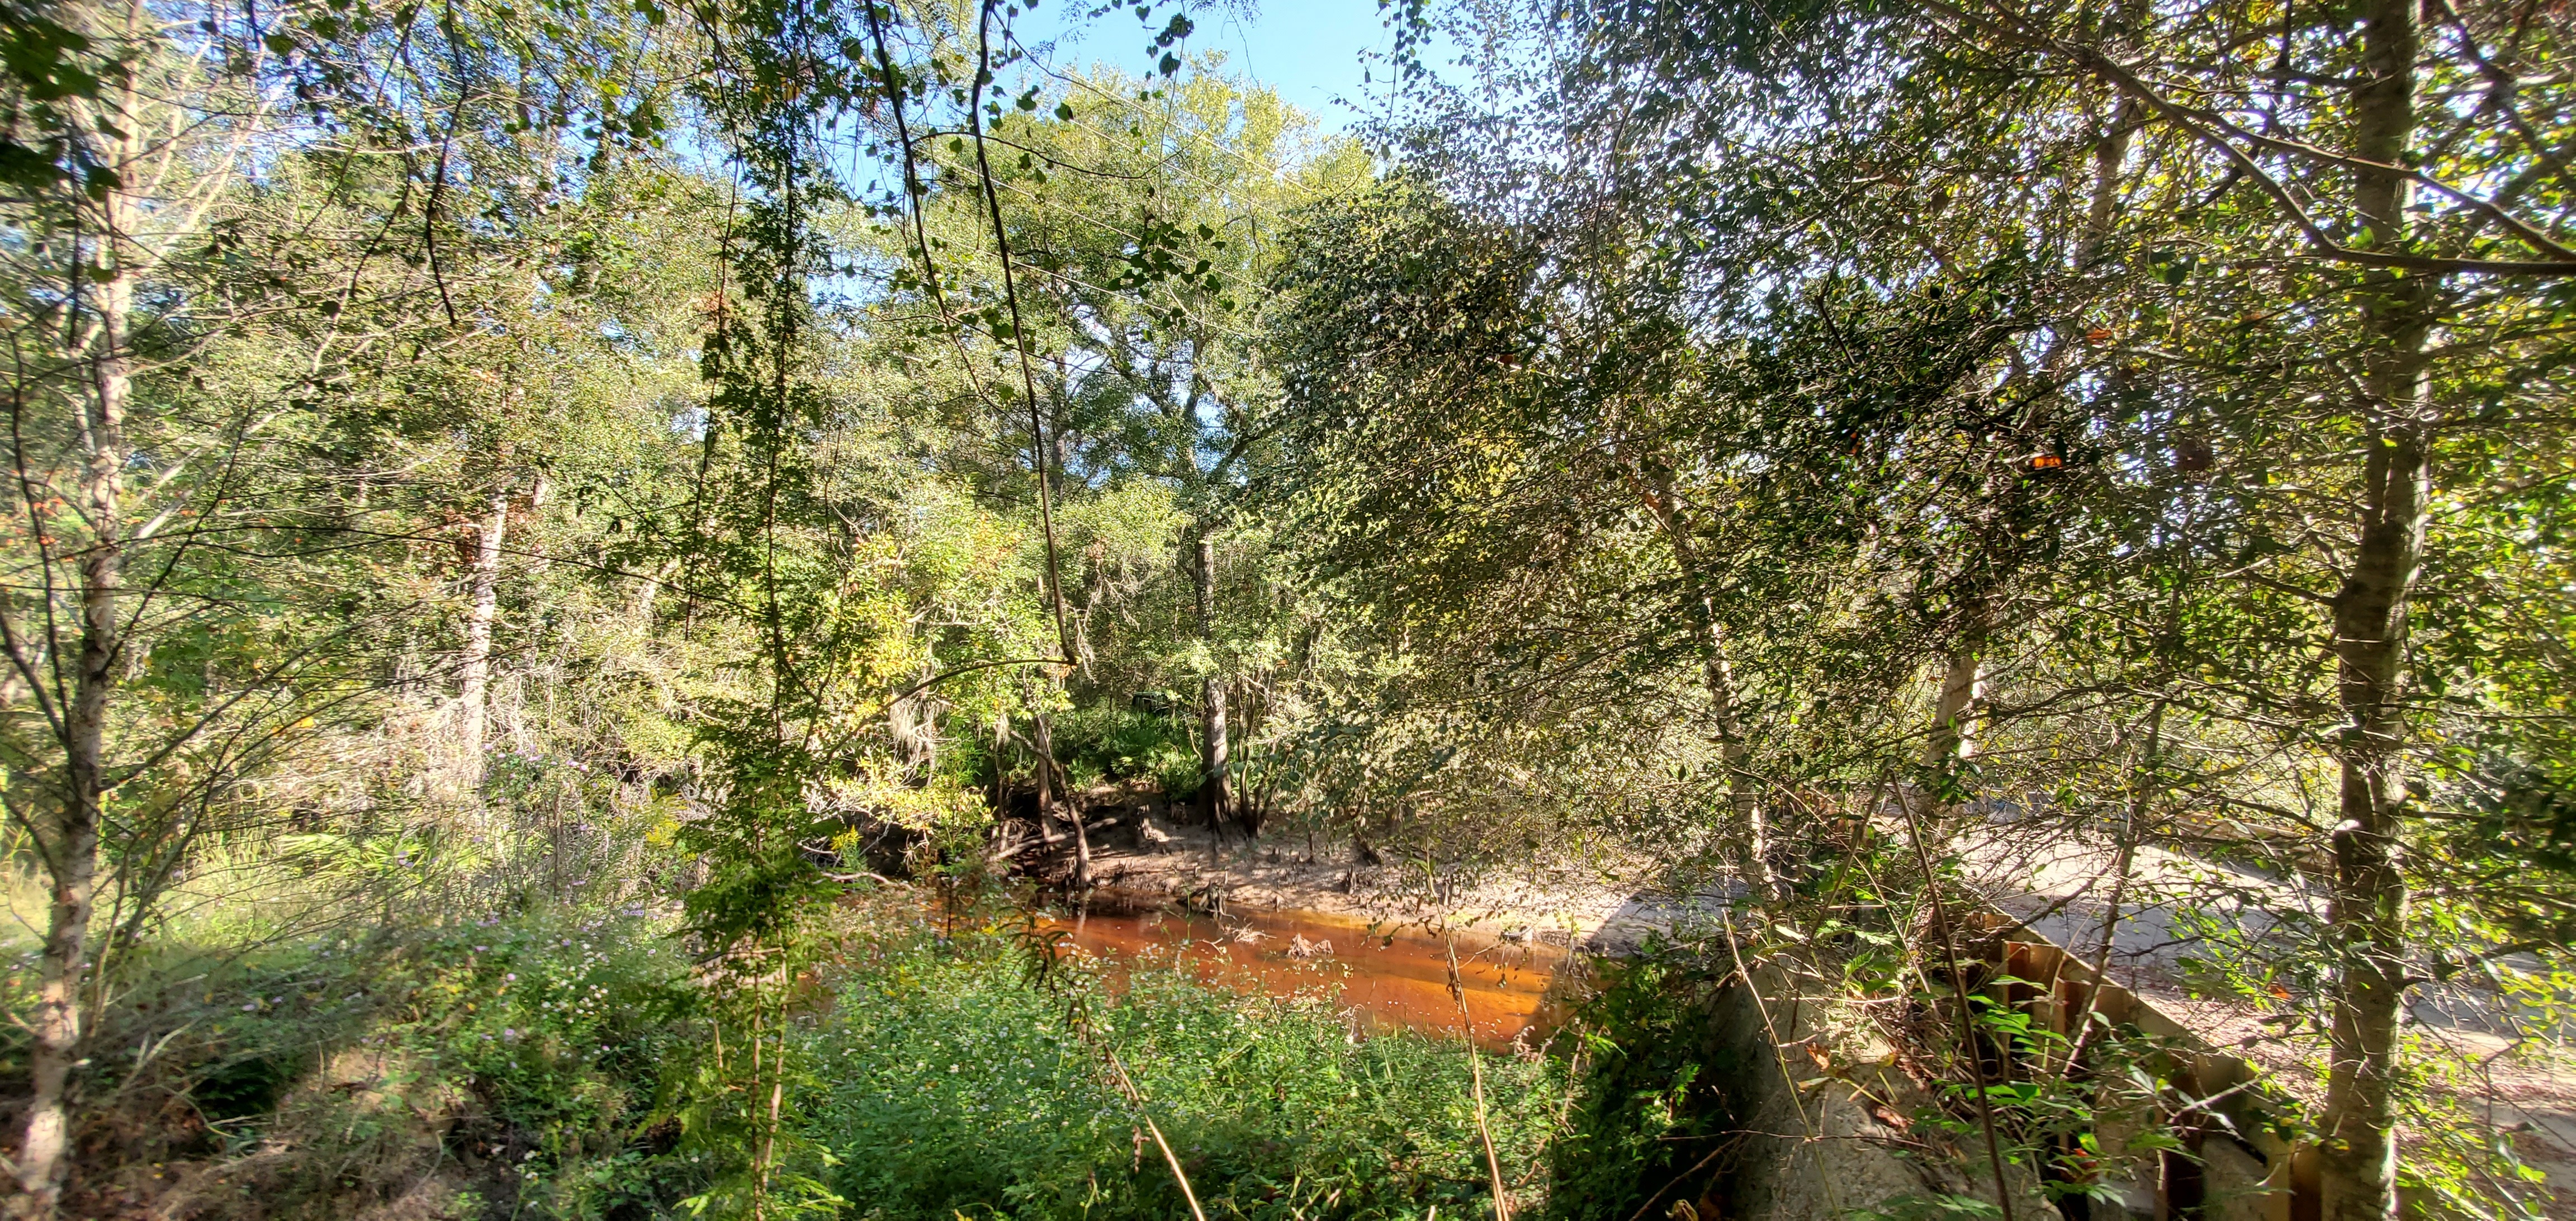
(1580, 907)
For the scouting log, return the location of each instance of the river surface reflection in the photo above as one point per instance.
(1387, 976)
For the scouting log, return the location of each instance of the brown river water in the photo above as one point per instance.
(1388, 977)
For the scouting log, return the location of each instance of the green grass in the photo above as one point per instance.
(551, 1064)
(519, 1061)
(956, 1087)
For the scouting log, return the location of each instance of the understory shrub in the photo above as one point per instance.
(958, 1087)
(513, 1067)
(548, 1065)
(1112, 743)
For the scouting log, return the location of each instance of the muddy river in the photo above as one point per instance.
(1388, 977)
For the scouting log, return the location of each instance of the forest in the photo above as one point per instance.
(1713, 610)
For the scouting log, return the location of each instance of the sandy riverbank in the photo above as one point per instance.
(1586, 908)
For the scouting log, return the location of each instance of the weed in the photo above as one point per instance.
(955, 1087)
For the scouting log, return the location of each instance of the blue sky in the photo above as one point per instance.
(1308, 50)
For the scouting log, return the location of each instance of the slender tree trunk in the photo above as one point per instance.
(1753, 826)
(2144, 788)
(475, 676)
(1215, 798)
(652, 590)
(1081, 848)
(1042, 740)
(72, 850)
(1001, 781)
(1752, 829)
(2368, 905)
(1953, 739)
(2105, 201)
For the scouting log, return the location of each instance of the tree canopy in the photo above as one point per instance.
(471, 456)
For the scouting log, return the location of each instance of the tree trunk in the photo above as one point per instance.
(652, 590)
(1954, 716)
(72, 853)
(2368, 904)
(1042, 741)
(1752, 829)
(1752, 826)
(1215, 800)
(1001, 781)
(475, 676)
(2105, 201)
(1081, 848)
(2367, 908)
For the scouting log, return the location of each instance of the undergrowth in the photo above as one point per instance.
(549, 1065)
(955, 1086)
(512, 1066)
(1653, 1099)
